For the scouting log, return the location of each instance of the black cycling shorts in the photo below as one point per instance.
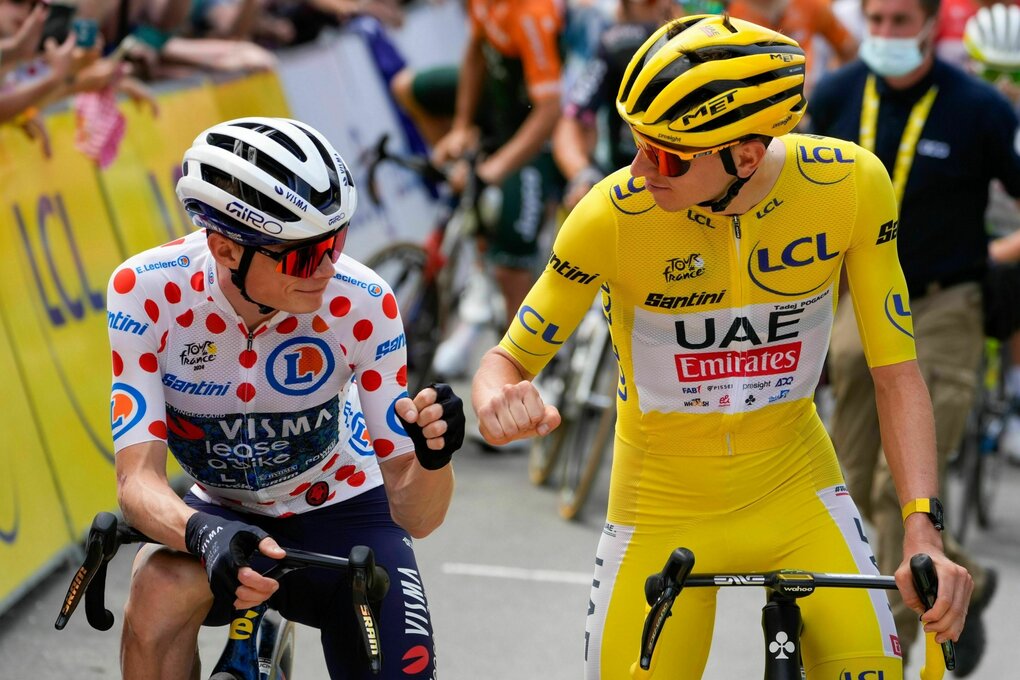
(321, 598)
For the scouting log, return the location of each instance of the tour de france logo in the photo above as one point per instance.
(300, 366)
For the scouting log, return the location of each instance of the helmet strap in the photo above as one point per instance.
(237, 277)
(720, 204)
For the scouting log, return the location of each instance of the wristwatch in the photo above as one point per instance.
(929, 506)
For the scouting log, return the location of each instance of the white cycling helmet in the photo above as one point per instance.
(992, 37)
(261, 181)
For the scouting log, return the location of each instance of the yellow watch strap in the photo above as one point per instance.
(917, 505)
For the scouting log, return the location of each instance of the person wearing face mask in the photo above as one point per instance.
(943, 135)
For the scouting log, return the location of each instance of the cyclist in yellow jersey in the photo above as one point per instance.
(718, 255)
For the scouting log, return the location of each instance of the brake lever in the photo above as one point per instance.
(926, 582)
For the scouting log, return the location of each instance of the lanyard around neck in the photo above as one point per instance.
(911, 133)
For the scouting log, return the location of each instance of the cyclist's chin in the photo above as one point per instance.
(301, 302)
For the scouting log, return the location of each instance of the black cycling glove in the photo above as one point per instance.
(224, 546)
(453, 438)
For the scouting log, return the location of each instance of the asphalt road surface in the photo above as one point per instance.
(508, 584)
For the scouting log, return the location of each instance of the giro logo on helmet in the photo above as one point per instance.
(257, 220)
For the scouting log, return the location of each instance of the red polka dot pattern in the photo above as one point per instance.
(158, 429)
(389, 306)
(152, 310)
(331, 462)
(175, 242)
(363, 330)
(172, 293)
(319, 324)
(288, 325)
(186, 319)
(340, 306)
(300, 489)
(344, 472)
(402, 376)
(198, 281)
(286, 515)
(215, 323)
(246, 392)
(162, 341)
(248, 358)
(357, 479)
(118, 364)
(383, 447)
(371, 380)
(124, 281)
(149, 363)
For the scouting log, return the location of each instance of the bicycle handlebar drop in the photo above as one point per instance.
(786, 586)
(369, 582)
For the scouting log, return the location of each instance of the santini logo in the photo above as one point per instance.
(568, 271)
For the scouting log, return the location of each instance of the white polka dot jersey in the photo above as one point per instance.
(275, 420)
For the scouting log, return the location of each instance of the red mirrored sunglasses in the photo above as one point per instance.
(673, 163)
(302, 260)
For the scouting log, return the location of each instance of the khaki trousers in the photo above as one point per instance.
(950, 341)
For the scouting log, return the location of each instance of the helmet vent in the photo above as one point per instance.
(246, 193)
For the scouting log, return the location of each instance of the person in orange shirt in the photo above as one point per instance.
(801, 20)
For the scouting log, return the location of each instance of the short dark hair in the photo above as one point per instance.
(930, 7)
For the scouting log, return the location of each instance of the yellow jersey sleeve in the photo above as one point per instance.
(876, 282)
(583, 256)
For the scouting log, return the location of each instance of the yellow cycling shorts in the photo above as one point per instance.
(779, 508)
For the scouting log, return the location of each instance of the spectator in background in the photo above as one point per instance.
(802, 20)
(504, 99)
(943, 135)
(593, 94)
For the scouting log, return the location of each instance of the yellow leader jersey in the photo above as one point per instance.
(721, 323)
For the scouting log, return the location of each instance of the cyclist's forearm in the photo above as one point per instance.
(469, 85)
(531, 136)
(145, 497)
(573, 144)
(908, 429)
(495, 370)
(419, 498)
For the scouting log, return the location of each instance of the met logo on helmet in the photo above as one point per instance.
(711, 107)
(256, 219)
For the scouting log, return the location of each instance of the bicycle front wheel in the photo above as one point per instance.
(404, 266)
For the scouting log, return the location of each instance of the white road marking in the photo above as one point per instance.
(517, 573)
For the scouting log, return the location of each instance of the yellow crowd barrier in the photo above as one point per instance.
(64, 226)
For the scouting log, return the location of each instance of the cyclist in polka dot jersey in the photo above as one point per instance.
(273, 367)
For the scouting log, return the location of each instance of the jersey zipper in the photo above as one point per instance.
(739, 294)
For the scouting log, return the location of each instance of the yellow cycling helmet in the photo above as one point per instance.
(707, 80)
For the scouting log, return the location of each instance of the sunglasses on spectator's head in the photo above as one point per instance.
(672, 162)
(303, 259)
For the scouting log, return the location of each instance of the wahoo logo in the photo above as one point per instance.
(712, 107)
(255, 219)
(570, 272)
(897, 311)
(123, 322)
(293, 198)
(127, 406)
(300, 366)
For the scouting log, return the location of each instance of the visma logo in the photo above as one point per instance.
(898, 313)
(127, 406)
(800, 252)
(300, 366)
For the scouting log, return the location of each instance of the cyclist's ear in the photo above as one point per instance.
(226, 252)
